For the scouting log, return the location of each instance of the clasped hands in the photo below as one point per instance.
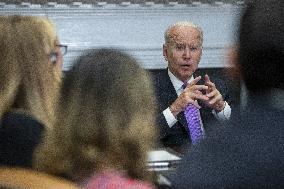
(211, 97)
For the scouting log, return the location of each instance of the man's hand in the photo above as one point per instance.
(189, 96)
(215, 99)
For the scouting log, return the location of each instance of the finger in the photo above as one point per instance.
(212, 93)
(198, 87)
(198, 92)
(215, 99)
(206, 78)
(194, 103)
(210, 85)
(193, 82)
(196, 96)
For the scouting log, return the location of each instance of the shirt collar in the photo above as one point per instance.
(176, 82)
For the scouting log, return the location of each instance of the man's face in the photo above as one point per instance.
(183, 52)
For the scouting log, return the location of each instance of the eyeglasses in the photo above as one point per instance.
(54, 55)
(63, 48)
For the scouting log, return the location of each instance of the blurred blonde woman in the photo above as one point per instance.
(29, 84)
(105, 125)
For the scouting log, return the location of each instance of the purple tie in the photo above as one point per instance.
(191, 113)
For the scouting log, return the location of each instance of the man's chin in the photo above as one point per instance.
(185, 77)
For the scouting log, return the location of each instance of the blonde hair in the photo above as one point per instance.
(168, 35)
(106, 119)
(27, 81)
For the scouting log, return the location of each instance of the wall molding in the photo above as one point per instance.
(135, 28)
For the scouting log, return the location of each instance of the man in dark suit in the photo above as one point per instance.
(249, 153)
(177, 87)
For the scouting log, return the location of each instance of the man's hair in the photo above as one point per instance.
(106, 118)
(261, 45)
(27, 81)
(168, 35)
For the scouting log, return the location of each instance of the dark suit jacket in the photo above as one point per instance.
(177, 136)
(248, 153)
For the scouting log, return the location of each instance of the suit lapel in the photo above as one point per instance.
(167, 91)
(181, 118)
(169, 95)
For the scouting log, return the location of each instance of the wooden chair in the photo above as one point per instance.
(29, 179)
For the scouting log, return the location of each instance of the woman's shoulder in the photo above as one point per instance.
(116, 179)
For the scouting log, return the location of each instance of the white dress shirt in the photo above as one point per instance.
(170, 118)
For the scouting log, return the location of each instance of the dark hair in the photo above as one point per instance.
(261, 45)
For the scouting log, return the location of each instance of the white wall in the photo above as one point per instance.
(137, 29)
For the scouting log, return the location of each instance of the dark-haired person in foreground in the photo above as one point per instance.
(250, 154)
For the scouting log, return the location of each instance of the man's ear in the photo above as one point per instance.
(165, 52)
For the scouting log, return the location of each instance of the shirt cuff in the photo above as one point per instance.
(223, 115)
(170, 118)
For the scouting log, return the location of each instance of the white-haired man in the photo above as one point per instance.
(177, 88)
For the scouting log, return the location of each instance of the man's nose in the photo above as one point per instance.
(186, 53)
